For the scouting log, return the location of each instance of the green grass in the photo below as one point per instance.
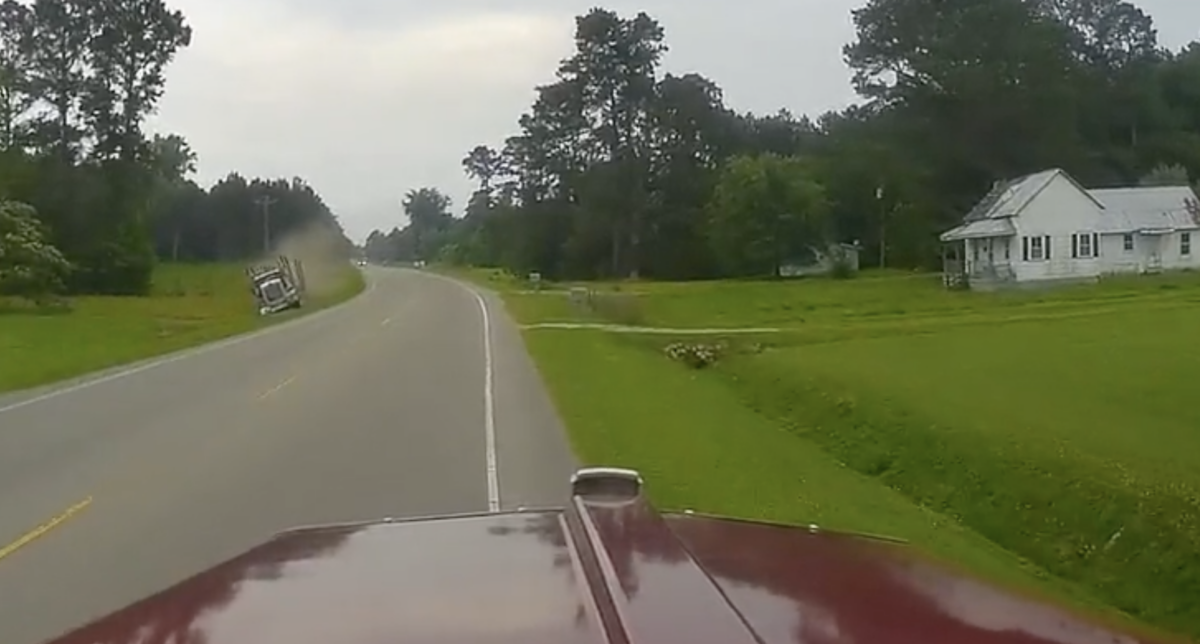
(190, 305)
(1075, 443)
(1014, 433)
(702, 448)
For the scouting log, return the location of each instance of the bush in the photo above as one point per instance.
(30, 267)
(695, 356)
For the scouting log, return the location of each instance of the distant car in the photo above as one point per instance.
(362, 262)
(604, 568)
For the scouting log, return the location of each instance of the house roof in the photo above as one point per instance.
(1009, 198)
(1124, 210)
(1159, 208)
(990, 216)
(981, 228)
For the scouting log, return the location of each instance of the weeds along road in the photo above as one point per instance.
(382, 407)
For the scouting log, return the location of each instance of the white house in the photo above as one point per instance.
(1045, 227)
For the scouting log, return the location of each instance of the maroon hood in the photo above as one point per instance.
(593, 572)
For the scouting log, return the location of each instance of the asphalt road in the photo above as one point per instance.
(115, 487)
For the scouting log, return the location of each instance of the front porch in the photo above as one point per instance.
(959, 274)
(980, 263)
(978, 254)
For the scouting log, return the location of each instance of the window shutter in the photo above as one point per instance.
(1046, 244)
(1074, 246)
(1095, 244)
(1025, 248)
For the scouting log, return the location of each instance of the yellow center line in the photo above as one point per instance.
(40, 531)
(273, 390)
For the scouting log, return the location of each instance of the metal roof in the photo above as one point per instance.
(981, 228)
(1155, 209)
(1007, 197)
(1159, 208)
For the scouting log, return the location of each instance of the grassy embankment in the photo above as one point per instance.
(190, 305)
(1049, 440)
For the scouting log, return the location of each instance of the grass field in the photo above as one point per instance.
(1048, 439)
(190, 304)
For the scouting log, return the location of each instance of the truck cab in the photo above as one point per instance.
(274, 291)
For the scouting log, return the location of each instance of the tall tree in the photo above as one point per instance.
(17, 95)
(1105, 34)
(171, 157)
(483, 164)
(132, 44)
(614, 68)
(969, 109)
(767, 210)
(691, 133)
(60, 36)
(428, 212)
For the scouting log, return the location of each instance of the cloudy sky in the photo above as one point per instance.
(367, 99)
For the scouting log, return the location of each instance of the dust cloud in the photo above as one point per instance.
(322, 252)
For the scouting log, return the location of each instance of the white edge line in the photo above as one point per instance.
(489, 403)
(182, 355)
(489, 406)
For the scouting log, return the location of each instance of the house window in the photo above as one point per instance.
(1185, 244)
(1036, 249)
(1085, 245)
(1128, 241)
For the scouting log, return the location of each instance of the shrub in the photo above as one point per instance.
(30, 267)
(695, 356)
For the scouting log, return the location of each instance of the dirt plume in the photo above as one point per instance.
(323, 254)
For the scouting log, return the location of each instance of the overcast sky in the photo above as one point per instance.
(367, 99)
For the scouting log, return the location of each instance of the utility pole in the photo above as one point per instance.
(265, 202)
(883, 216)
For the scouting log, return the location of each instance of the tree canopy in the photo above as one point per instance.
(618, 169)
(80, 176)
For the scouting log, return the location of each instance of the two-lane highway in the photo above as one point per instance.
(416, 398)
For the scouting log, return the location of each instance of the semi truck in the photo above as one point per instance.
(277, 287)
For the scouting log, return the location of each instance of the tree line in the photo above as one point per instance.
(237, 218)
(88, 201)
(619, 170)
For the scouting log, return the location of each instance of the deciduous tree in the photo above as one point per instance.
(765, 211)
(30, 267)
